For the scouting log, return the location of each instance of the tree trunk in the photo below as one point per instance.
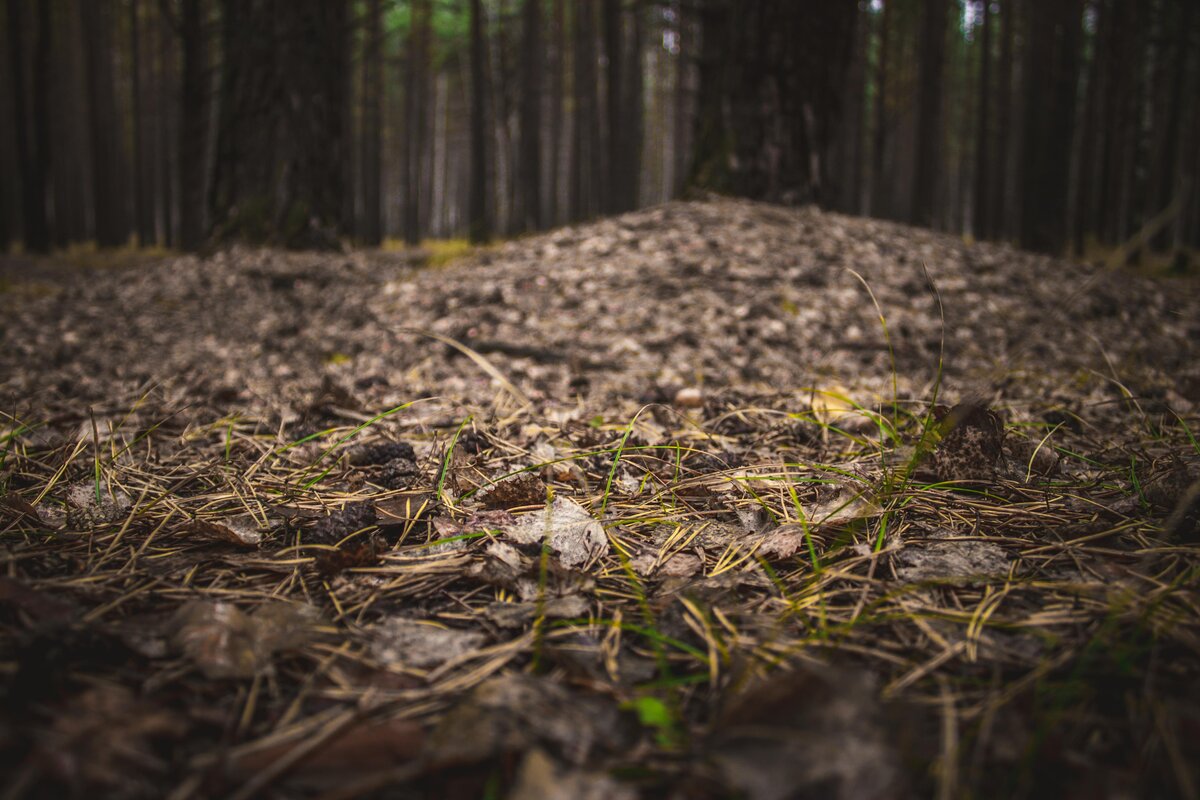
(531, 117)
(1166, 163)
(371, 233)
(194, 119)
(416, 101)
(1001, 209)
(634, 102)
(478, 217)
(929, 112)
(282, 147)
(167, 135)
(108, 157)
(983, 153)
(613, 200)
(584, 153)
(1049, 122)
(143, 209)
(558, 65)
(32, 150)
(679, 139)
(878, 192)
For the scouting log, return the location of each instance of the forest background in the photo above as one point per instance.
(1065, 126)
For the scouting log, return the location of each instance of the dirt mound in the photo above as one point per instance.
(708, 499)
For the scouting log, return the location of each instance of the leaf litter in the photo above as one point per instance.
(723, 539)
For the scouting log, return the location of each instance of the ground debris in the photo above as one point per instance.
(421, 645)
(225, 642)
(688, 454)
(571, 532)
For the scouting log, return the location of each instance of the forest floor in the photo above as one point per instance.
(713, 499)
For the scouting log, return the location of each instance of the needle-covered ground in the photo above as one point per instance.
(710, 500)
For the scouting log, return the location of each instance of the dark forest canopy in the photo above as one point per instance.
(1061, 125)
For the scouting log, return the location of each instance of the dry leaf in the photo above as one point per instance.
(574, 535)
(419, 645)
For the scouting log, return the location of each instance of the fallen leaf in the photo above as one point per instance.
(510, 713)
(88, 505)
(808, 731)
(681, 565)
(574, 535)
(539, 778)
(224, 642)
(782, 542)
(943, 557)
(517, 615)
(971, 446)
(420, 645)
(524, 489)
(242, 530)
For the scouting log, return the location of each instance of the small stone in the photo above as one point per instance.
(689, 397)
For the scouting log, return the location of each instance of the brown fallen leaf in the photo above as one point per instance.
(807, 731)
(420, 645)
(242, 530)
(574, 535)
(524, 489)
(971, 446)
(225, 642)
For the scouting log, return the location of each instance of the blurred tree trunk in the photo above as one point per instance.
(32, 145)
(929, 112)
(635, 103)
(166, 135)
(772, 80)
(1178, 17)
(478, 222)
(371, 233)
(531, 118)
(878, 191)
(557, 66)
(1054, 30)
(683, 61)
(194, 121)
(282, 146)
(1084, 219)
(585, 155)
(142, 203)
(108, 156)
(1001, 207)
(613, 200)
(983, 152)
(416, 102)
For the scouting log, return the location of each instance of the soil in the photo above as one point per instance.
(713, 499)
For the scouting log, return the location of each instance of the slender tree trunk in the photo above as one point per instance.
(878, 193)
(983, 152)
(1049, 122)
(168, 139)
(478, 216)
(1001, 226)
(1166, 165)
(193, 127)
(929, 112)
(556, 112)
(585, 154)
(683, 60)
(531, 117)
(32, 160)
(417, 103)
(613, 200)
(633, 91)
(371, 232)
(143, 213)
(108, 158)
